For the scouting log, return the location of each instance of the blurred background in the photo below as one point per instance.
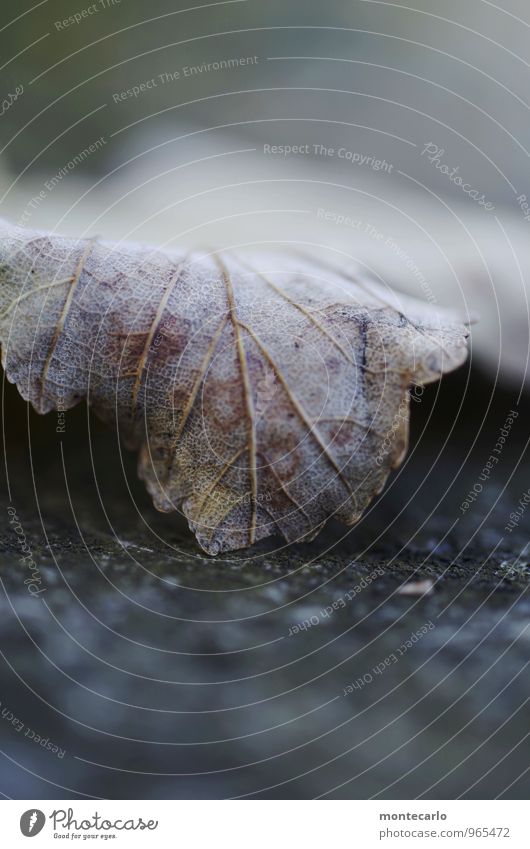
(391, 137)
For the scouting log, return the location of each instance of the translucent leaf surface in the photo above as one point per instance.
(264, 394)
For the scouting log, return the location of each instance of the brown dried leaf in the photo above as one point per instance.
(263, 397)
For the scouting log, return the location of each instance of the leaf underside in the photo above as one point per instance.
(264, 394)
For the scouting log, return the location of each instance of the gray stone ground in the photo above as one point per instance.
(163, 673)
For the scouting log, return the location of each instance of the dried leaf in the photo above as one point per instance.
(263, 396)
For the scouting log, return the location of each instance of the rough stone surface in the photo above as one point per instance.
(162, 672)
